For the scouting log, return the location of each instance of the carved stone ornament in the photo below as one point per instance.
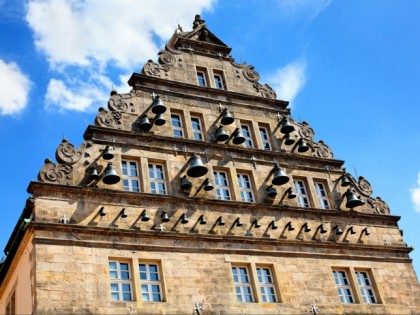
(154, 69)
(250, 74)
(265, 90)
(364, 186)
(55, 174)
(67, 153)
(379, 206)
(166, 58)
(320, 149)
(306, 131)
(237, 65)
(108, 119)
(121, 103)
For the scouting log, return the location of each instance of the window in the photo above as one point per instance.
(245, 188)
(197, 128)
(301, 192)
(177, 126)
(265, 138)
(11, 306)
(342, 283)
(151, 289)
(243, 285)
(266, 283)
(222, 185)
(157, 179)
(218, 82)
(202, 76)
(131, 180)
(119, 273)
(246, 132)
(366, 287)
(322, 195)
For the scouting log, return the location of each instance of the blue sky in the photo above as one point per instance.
(351, 69)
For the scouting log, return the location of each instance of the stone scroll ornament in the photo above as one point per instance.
(121, 103)
(320, 149)
(154, 69)
(378, 206)
(305, 131)
(265, 90)
(250, 74)
(67, 154)
(55, 174)
(166, 58)
(108, 119)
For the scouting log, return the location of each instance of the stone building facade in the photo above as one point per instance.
(198, 193)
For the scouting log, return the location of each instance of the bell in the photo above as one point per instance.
(286, 127)
(306, 228)
(303, 147)
(111, 177)
(123, 214)
(238, 138)
(221, 134)
(366, 230)
(291, 194)
(339, 230)
(144, 216)
(290, 226)
(102, 212)
(353, 201)
(185, 183)
(238, 222)
(145, 124)
(184, 219)
(227, 117)
(202, 220)
(280, 177)
(289, 139)
(93, 174)
(220, 221)
(107, 155)
(256, 224)
(273, 225)
(197, 168)
(158, 107)
(159, 121)
(345, 181)
(165, 217)
(207, 185)
(323, 230)
(271, 191)
(352, 231)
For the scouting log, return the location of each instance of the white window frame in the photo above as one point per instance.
(366, 288)
(128, 177)
(265, 138)
(247, 133)
(198, 131)
(148, 283)
(179, 128)
(154, 179)
(302, 193)
(322, 195)
(245, 187)
(243, 286)
(204, 77)
(218, 81)
(221, 183)
(267, 284)
(343, 285)
(119, 281)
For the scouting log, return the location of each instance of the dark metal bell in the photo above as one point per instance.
(345, 181)
(102, 212)
(353, 201)
(221, 134)
(323, 230)
(184, 219)
(202, 220)
(144, 216)
(107, 155)
(158, 107)
(93, 174)
(185, 183)
(208, 185)
(286, 126)
(256, 224)
(145, 124)
(165, 217)
(271, 191)
(291, 194)
(159, 121)
(227, 117)
(197, 168)
(220, 221)
(238, 138)
(274, 225)
(111, 177)
(289, 139)
(280, 177)
(339, 230)
(303, 147)
(123, 214)
(307, 228)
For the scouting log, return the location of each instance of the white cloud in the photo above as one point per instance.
(415, 195)
(307, 9)
(289, 80)
(14, 89)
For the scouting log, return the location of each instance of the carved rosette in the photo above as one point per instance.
(121, 103)
(320, 149)
(55, 174)
(67, 153)
(379, 206)
(250, 74)
(154, 69)
(364, 186)
(306, 131)
(108, 119)
(166, 58)
(265, 90)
